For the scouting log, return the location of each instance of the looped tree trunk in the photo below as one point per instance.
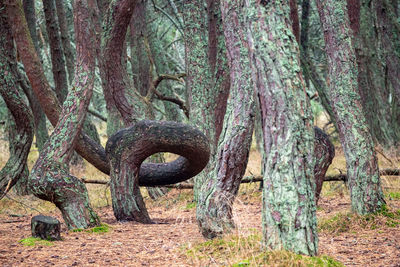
(129, 147)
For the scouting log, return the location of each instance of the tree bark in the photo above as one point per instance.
(362, 166)
(86, 147)
(65, 40)
(56, 50)
(21, 140)
(214, 208)
(206, 68)
(50, 179)
(371, 71)
(128, 148)
(38, 114)
(288, 216)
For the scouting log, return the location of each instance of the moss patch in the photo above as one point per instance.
(35, 241)
(103, 228)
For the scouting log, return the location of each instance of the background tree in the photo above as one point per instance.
(362, 167)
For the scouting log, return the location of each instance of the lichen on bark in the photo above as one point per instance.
(288, 217)
(358, 145)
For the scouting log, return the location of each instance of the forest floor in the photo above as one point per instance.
(174, 239)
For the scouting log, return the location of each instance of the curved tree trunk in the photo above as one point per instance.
(50, 179)
(21, 140)
(129, 147)
(86, 147)
(214, 208)
(362, 166)
(288, 216)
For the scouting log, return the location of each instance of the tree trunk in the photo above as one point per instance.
(56, 50)
(371, 71)
(21, 140)
(50, 179)
(38, 114)
(140, 141)
(362, 166)
(65, 39)
(206, 68)
(214, 208)
(288, 216)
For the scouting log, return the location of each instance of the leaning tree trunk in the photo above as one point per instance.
(362, 166)
(38, 114)
(288, 216)
(214, 208)
(21, 140)
(50, 179)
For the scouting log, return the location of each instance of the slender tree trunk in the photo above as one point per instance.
(65, 39)
(21, 140)
(214, 209)
(38, 114)
(362, 166)
(56, 50)
(288, 216)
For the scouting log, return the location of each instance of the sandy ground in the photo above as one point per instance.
(160, 244)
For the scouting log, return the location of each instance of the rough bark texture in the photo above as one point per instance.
(206, 68)
(288, 216)
(129, 147)
(362, 167)
(371, 71)
(86, 147)
(21, 140)
(50, 179)
(324, 151)
(56, 50)
(214, 207)
(38, 114)
(114, 76)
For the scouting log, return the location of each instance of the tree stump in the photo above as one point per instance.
(46, 227)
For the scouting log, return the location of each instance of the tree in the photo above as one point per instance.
(288, 215)
(38, 114)
(214, 208)
(22, 127)
(372, 84)
(362, 167)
